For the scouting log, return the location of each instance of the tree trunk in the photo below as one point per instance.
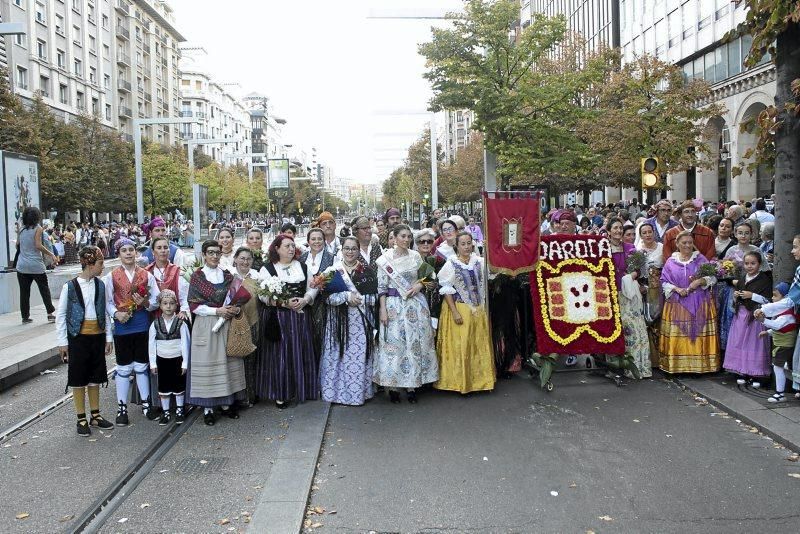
(787, 160)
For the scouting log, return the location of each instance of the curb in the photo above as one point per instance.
(781, 429)
(281, 508)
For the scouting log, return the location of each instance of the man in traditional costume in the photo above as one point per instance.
(327, 224)
(158, 228)
(702, 235)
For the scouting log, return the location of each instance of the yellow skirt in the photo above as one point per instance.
(679, 354)
(466, 360)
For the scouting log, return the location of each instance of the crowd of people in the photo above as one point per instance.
(378, 307)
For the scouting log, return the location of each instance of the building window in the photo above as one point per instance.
(721, 12)
(106, 81)
(76, 6)
(104, 21)
(41, 49)
(60, 25)
(734, 58)
(78, 68)
(699, 68)
(79, 103)
(92, 45)
(106, 51)
(95, 106)
(92, 74)
(721, 63)
(108, 112)
(18, 3)
(704, 23)
(61, 59)
(19, 39)
(22, 77)
(44, 85)
(41, 13)
(63, 94)
(76, 35)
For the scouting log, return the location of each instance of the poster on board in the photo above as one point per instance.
(20, 183)
(278, 175)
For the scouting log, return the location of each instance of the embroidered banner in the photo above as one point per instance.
(512, 230)
(575, 299)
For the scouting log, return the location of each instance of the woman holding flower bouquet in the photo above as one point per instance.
(286, 367)
(213, 378)
(131, 294)
(246, 277)
(317, 260)
(628, 266)
(352, 295)
(406, 355)
(464, 344)
(688, 342)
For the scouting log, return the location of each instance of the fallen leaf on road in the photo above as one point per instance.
(753, 430)
(217, 438)
(314, 488)
(123, 520)
(794, 475)
(93, 439)
(605, 518)
(66, 518)
(163, 470)
(669, 435)
(23, 515)
(332, 512)
(590, 532)
(485, 459)
(257, 487)
(248, 498)
(307, 523)
(316, 525)
(224, 521)
(794, 457)
(636, 421)
(554, 493)
(144, 505)
(203, 461)
(573, 485)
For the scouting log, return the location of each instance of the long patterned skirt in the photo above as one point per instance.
(346, 378)
(466, 359)
(406, 355)
(634, 329)
(212, 379)
(682, 354)
(286, 369)
(724, 295)
(746, 353)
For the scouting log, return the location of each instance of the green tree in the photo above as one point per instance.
(165, 174)
(462, 180)
(527, 103)
(775, 27)
(646, 108)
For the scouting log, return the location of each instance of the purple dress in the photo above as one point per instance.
(746, 353)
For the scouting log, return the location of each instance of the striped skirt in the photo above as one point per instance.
(679, 352)
(287, 369)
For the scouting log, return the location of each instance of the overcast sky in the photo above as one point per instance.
(329, 70)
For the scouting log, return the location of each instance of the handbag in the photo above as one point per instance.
(240, 339)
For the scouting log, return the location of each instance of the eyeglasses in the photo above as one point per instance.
(425, 242)
(213, 253)
(448, 230)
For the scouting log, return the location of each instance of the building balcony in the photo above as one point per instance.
(164, 62)
(146, 48)
(123, 59)
(123, 32)
(125, 112)
(186, 114)
(124, 85)
(200, 114)
(122, 6)
(148, 97)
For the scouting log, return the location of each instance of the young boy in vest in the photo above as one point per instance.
(783, 329)
(169, 346)
(131, 294)
(84, 337)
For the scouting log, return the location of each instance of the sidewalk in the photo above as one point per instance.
(780, 421)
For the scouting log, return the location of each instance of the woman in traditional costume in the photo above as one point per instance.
(464, 345)
(446, 248)
(317, 259)
(286, 367)
(651, 279)
(406, 356)
(369, 247)
(634, 329)
(213, 378)
(168, 276)
(255, 242)
(424, 240)
(735, 252)
(244, 276)
(348, 345)
(225, 239)
(747, 352)
(688, 342)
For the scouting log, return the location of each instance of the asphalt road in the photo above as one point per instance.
(588, 457)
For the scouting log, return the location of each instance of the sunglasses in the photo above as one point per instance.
(425, 242)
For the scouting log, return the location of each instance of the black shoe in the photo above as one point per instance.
(232, 413)
(27, 321)
(282, 405)
(208, 418)
(179, 417)
(122, 415)
(83, 428)
(149, 411)
(98, 421)
(394, 396)
(164, 419)
(412, 397)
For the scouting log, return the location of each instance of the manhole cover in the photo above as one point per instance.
(199, 466)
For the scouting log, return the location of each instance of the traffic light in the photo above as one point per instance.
(651, 172)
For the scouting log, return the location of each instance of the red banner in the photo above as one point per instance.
(512, 231)
(575, 299)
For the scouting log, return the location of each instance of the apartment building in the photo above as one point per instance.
(457, 132)
(116, 59)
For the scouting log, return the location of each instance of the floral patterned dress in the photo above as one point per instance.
(406, 355)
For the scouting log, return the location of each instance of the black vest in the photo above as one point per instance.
(162, 334)
(297, 289)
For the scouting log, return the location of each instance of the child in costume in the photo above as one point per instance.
(783, 329)
(169, 345)
(130, 295)
(84, 337)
